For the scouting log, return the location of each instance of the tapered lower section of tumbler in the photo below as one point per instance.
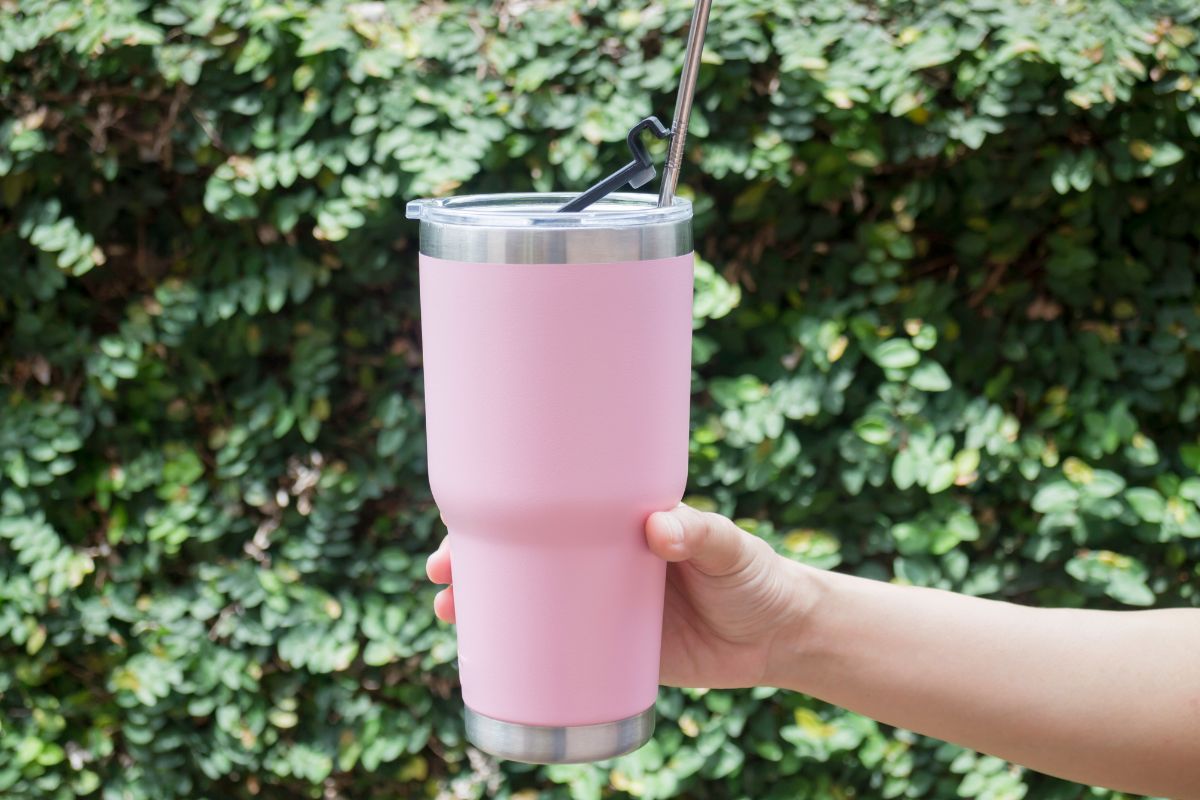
(559, 615)
(560, 626)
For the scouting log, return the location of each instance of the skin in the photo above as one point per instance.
(1110, 698)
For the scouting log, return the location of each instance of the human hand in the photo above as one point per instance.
(931, 661)
(729, 597)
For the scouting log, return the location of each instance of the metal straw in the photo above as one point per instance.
(683, 101)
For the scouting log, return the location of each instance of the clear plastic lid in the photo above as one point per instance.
(524, 210)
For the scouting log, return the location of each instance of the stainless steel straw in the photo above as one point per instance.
(683, 101)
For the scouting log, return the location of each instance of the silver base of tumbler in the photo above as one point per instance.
(536, 744)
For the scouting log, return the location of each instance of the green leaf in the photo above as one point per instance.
(1121, 577)
(1055, 497)
(911, 539)
(904, 470)
(51, 754)
(873, 430)
(18, 470)
(941, 478)
(895, 354)
(1146, 503)
(1166, 154)
(929, 376)
(932, 48)
(1130, 591)
(1189, 489)
(28, 749)
(1103, 483)
(713, 296)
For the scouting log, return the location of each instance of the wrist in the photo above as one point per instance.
(792, 654)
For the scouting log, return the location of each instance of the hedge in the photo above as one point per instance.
(946, 312)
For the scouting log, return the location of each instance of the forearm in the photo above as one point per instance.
(1111, 698)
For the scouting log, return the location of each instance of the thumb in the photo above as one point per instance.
(710, 542)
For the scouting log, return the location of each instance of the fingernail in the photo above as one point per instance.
(675, 530)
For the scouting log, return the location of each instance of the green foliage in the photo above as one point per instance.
(944, 331)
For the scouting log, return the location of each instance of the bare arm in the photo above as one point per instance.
(1104, 697)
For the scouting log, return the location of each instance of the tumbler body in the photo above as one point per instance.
(557, 395)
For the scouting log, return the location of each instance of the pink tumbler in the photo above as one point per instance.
(557, 352)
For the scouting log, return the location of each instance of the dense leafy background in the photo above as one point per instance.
(946, 317)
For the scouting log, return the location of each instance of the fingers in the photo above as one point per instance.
(443, 605)
(710, 542)
(437, 567)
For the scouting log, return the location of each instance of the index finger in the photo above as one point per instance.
(437, 567)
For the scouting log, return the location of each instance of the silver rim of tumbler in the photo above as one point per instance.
(539, 744)
(526, 228)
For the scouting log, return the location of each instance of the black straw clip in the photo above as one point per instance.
(636, 173)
